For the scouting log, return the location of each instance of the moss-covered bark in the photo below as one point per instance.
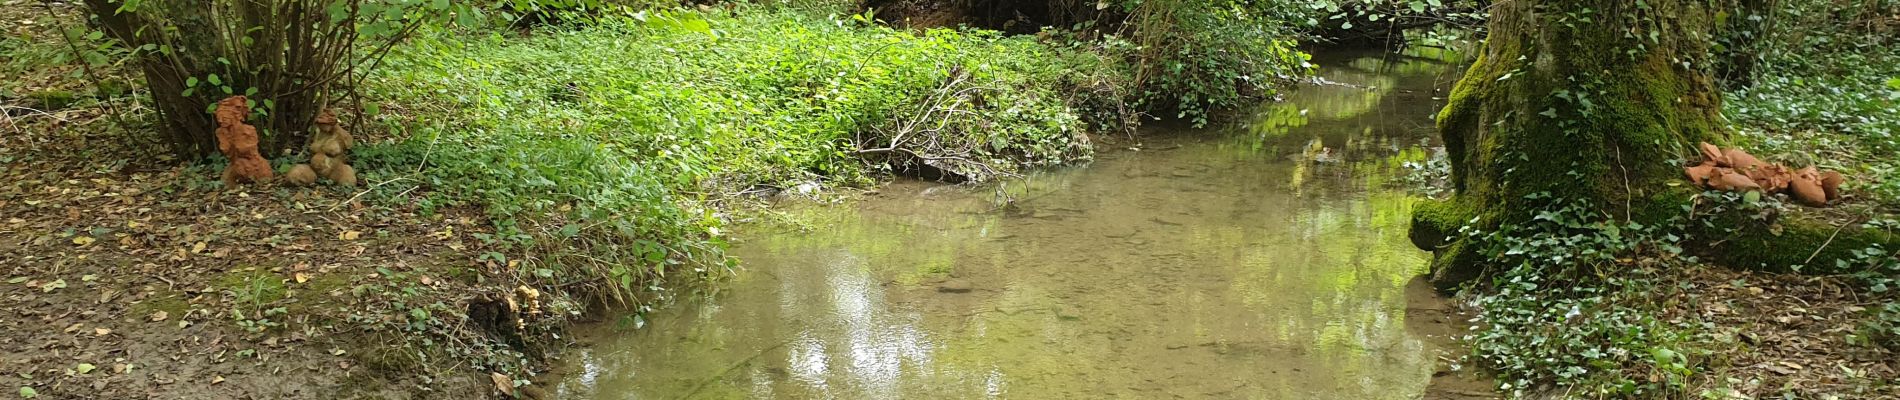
(1595, 100)
(1598, 101)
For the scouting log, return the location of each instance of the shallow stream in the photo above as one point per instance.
(1266, 260)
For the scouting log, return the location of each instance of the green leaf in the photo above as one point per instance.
(27, 392)
(1894, 83)
(191, 82)
(49, 287)
(84, 368)
(214, 79)
(17, 280)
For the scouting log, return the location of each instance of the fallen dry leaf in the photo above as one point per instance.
(502, 383)
(160, 315)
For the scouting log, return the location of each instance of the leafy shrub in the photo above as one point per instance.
(610, 138)
(287, 55)
(1196, 57)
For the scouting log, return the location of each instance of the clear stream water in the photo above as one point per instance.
(1266, 260)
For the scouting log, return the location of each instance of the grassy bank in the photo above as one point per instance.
(603, 153)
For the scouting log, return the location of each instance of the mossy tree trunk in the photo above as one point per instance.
(1594, 102)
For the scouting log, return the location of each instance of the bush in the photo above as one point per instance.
(620, 132)
(289, 56)
(1196, 57)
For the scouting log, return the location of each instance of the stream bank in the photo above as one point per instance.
(1263, 260)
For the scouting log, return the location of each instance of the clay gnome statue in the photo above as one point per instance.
(238, 141)
(329, 155)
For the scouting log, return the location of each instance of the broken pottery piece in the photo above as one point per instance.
(1806, 187)
(1773, 178)
(1733, 182)
(1831, 184)
(1741, 160)
(1700, 173)
(1713, 154)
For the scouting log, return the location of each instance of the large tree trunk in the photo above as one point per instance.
(1593, 101)
(1599, 102)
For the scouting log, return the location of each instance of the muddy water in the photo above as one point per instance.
(1266, 261)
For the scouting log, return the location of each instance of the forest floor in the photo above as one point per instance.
(123, 284)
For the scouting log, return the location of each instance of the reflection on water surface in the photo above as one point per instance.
(1266, 260)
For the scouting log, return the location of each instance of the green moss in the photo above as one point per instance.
(1460, 115)
(1434, 222)
(1795, 241)
(53, 99)
(254, 285)
(1561, 107)
(1456, 263)
(172, 303)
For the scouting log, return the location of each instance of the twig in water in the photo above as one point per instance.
(728, 371)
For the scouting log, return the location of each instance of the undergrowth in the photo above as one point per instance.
(605, 145)
(1574, 308)
(1579, 305)
(1196, 58)
(1827, 92)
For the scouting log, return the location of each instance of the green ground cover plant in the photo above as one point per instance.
(621, 134)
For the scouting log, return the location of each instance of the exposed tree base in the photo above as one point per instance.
(1791, 243)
